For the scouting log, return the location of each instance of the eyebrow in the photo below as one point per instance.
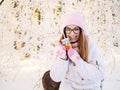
(73, 28)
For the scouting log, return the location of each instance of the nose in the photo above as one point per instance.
(72, 33)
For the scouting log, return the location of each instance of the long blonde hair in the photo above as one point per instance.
(83, 45)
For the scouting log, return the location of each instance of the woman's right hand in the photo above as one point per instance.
(60, 52)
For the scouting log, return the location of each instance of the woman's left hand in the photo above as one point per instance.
(74, 56)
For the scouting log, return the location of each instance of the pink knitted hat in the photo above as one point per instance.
(74, 18)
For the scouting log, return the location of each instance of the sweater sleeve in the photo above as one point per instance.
(93, 70)
(59, 69)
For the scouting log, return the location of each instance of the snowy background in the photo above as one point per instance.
(30, 29)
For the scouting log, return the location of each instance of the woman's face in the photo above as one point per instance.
(72, 31)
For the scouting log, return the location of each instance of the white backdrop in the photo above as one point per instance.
(29, 30)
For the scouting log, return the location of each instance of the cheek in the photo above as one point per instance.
(77, 36)
(67, 35)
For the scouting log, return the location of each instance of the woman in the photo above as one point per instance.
(80, 67)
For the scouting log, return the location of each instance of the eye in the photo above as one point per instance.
(68, 29)
(76, 29)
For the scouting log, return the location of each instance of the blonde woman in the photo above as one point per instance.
(81, 66)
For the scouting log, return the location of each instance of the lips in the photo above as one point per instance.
(73, 39)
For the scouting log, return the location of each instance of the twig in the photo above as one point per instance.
(1, 2)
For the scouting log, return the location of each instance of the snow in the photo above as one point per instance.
(23, 68)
